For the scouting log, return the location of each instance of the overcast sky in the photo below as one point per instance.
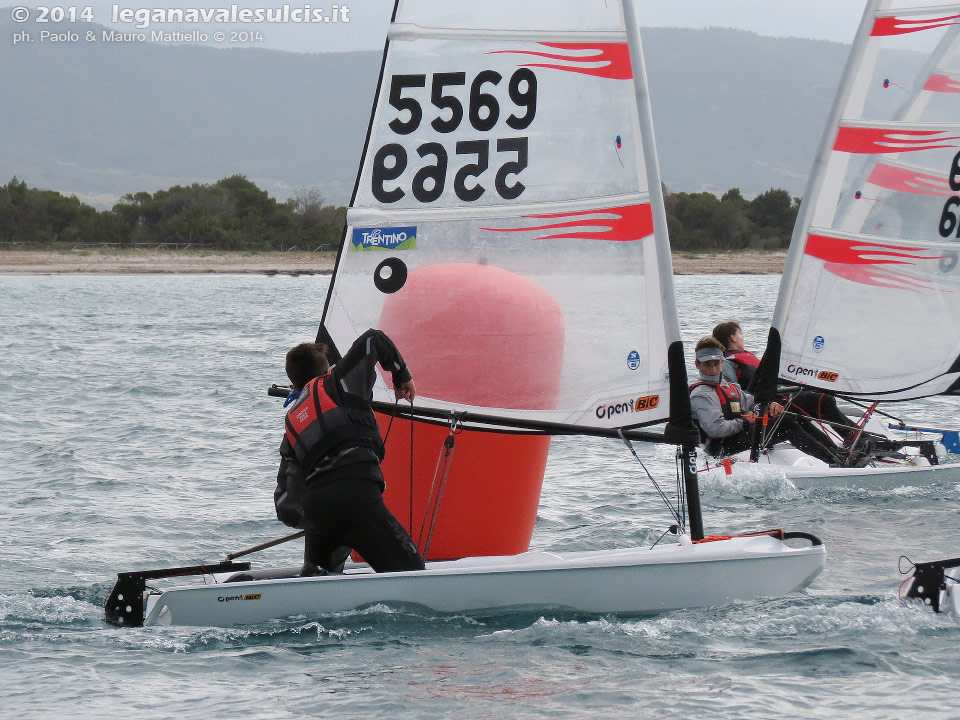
(834, 20)
(821, 19)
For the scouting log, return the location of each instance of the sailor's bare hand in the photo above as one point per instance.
(407, 391)
(749, 417)
(776, 409)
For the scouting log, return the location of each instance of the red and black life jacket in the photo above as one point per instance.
(729, 396)
(732, 408)
(745, 364)
(320, 431)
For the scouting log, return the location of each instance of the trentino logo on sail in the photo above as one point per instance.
(384, 238)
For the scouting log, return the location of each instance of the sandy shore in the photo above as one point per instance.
(35, 262)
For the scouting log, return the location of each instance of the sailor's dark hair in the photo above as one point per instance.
(708, 342)
(305, 362)
(726, 330)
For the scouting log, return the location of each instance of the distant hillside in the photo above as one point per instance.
(99, 120)
(734, 109)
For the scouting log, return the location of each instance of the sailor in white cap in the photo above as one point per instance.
(723, 411)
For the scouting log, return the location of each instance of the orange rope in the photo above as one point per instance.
(778, 533)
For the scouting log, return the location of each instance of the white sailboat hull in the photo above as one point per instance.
(805, 472)
(623, 581)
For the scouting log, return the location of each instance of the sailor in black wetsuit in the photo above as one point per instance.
(330, 483)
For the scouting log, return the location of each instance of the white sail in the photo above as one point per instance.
(504, 216)
(870, 298)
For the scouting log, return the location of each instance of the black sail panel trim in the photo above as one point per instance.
(955, 388)
(322, 334)
(680, 428)
(764, 387)
(333, 353)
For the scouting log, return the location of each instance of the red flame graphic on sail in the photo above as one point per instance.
(616, 224)
(887, 26)
(943, 84)
(868, 141)
(606, 60)
(868, 263)
(908, 181)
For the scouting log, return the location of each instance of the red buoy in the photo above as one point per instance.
(486, 337)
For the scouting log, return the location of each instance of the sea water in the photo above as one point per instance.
(135, 432)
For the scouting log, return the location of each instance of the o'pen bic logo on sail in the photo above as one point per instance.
(634, 405)
(384, 238)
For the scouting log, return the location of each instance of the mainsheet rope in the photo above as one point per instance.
(440, 476)
(386, 436)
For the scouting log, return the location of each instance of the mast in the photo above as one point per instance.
(680, 424)
(818, 172)
(769, 369)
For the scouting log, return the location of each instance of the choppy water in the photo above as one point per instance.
(135, 431)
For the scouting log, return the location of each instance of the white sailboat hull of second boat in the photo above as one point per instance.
(804, 472)
(632, 581)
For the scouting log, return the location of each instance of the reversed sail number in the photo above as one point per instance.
(430, 180)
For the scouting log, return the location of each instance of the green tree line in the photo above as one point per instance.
(234, 214)
(231, 214)
(701, 221)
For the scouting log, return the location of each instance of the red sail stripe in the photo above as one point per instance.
(863, 262)
(856, 252)
(877, 276)
(943, 84)
(615, 59)
(629, 223)
(909, 181)
(887, 26)
(868, 141)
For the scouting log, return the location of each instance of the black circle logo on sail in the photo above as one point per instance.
(390, 275)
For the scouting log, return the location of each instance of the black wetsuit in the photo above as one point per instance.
(330, 482)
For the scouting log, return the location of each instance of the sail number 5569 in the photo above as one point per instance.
(483, 111)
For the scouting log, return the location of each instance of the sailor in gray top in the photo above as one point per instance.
(723, 412)
(721, 408)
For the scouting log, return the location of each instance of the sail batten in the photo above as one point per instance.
(367, 215)
(507, 227)
(881, 241)
(869, 303)
(398, 32)
(922, 11)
